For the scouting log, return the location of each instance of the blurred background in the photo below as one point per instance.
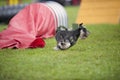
(99, 11)
(8, 8)
(90, 11)
(16, 2)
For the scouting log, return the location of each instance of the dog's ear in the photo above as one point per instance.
(61, 28)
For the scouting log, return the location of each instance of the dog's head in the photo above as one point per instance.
(66, 38)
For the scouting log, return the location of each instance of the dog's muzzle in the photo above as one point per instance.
(63, 45)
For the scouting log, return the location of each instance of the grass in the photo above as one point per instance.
(96, 58)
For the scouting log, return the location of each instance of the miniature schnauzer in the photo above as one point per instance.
(67, 38)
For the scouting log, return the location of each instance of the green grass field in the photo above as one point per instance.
(96, 58)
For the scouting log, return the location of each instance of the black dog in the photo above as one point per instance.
(66, 38)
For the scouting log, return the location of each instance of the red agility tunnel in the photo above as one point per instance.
(32, 25)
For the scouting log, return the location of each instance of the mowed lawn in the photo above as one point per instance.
(96, 58)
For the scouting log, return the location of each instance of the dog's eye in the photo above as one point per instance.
(61, 36)
(71, 39)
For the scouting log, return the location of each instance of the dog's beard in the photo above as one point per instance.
(64, 45)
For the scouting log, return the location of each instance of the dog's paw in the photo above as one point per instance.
(56, 48)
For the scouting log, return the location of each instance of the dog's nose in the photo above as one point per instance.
(62, 43)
